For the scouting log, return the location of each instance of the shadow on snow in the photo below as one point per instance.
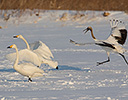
(60, 67)
(17, 80)
(7, 70)
(66, 67)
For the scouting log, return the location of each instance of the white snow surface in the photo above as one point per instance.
(78, 77)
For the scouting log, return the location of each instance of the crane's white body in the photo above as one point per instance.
(118, 47)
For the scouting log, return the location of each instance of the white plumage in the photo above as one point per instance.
(41, 48)
(36, 53)
(113, 43)
(26, 69)
(25, 55)
(118, 32)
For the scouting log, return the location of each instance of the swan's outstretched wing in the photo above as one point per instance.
(41, 49)
(25, 55)
(118, 32)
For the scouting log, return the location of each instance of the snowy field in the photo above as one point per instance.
(78, 77)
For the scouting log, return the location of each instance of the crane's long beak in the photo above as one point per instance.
(85, 30)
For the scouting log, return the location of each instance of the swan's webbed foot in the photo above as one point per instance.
(29, 80)
(57, 67)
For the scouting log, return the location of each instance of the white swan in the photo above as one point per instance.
(26, 69)
(39, 53)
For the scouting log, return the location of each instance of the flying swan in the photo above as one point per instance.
(37, 53)
(26, 69)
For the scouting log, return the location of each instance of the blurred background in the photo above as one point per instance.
(118, 5)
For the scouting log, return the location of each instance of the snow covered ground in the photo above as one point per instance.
(78, 77)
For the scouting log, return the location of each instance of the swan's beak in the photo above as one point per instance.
(15, 36)
(85, 30)
(10, 46)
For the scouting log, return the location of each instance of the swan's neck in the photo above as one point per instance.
(26, 43)
(17, 59)
(92, 34)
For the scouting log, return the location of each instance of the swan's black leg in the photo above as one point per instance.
(29, 80)
(124, 58)
(37, 66)
(57, 67)
(99, 63)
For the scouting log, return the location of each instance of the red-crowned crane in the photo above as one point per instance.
(113, 43)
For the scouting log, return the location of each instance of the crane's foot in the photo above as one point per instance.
(99, 63)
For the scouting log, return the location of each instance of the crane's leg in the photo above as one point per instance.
(99, 63)
(124, 58)
(29, 79)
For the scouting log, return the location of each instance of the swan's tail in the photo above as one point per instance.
(51, 63)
